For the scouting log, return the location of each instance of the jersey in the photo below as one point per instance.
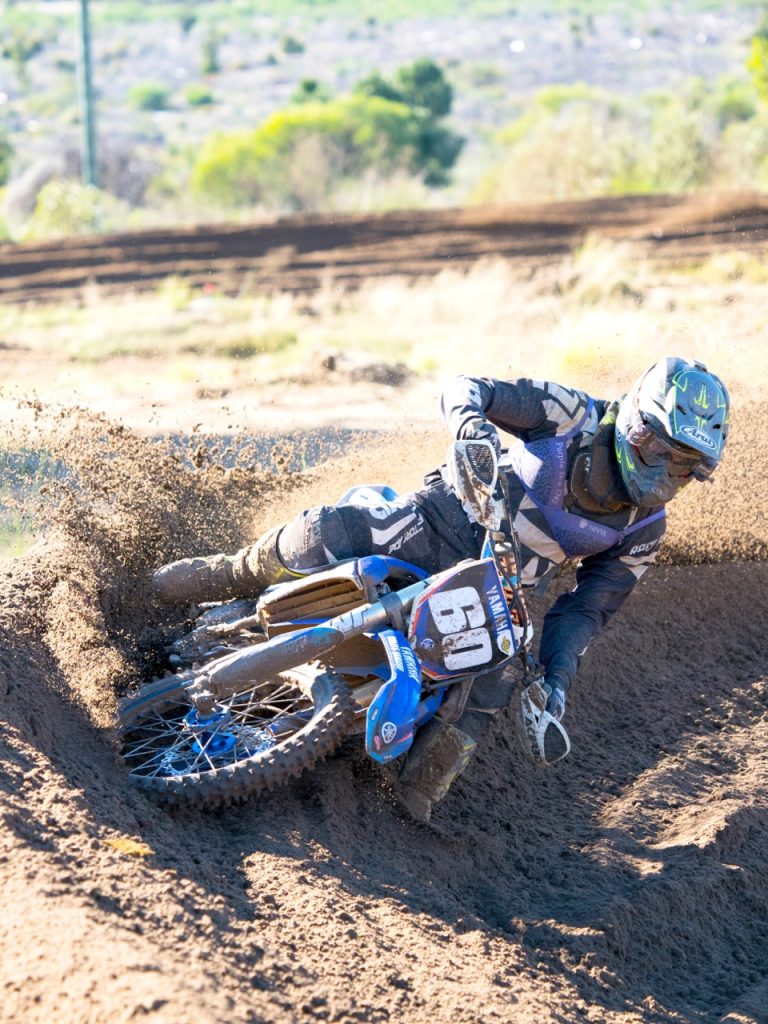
(549, 425)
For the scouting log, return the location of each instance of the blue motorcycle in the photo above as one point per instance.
(262, 690)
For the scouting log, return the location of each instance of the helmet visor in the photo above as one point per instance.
(657, 450)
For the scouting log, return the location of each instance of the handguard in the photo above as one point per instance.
(474, 472)
(544, 737)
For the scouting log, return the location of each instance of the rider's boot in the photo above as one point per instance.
(439, 754)
(221, 577)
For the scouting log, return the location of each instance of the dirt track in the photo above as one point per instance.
(627, 885)
(302, 253)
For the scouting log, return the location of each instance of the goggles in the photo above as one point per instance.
(656, 450)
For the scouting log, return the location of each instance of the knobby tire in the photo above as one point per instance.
(332, 717)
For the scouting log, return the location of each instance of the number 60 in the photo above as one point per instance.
(460, 617)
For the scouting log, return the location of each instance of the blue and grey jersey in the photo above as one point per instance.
(549, 425)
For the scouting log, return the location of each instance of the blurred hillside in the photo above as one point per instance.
(168, 77)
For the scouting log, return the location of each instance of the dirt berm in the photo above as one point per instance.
(628, 884)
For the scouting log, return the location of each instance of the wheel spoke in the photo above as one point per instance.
(165, 739)
(158, 758)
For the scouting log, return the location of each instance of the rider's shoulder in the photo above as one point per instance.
(568, 410)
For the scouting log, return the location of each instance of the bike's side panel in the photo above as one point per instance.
(321, 595)
(461, 625)
(391, 716)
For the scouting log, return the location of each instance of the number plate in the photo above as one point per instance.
(461, 624)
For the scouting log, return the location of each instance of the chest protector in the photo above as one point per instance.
(542, 469)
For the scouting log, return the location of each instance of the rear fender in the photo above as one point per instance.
(320, 596)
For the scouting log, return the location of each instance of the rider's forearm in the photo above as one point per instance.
(520, 407)
(463, 402)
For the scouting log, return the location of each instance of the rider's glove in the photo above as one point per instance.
(479, 429)
(555, 700)
(542, 707)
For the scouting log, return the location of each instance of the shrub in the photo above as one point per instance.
(742, 155)
(575, 141)
(6, 159)
(65, 208)
(310, 90)
(736, 100)
(150, 96)
(5, 233)
(198, 95)
(292, 45)
(554, 157)
(20, 46)
(298, 155)
(679, 151)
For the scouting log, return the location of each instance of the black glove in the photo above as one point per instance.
(543, 734)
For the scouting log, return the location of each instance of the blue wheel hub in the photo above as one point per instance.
(210, 732)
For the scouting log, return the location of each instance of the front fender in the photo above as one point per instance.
(391, 716)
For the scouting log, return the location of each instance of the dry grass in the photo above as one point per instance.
(160, 362)
(598, 317)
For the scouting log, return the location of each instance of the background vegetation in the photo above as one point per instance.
(233, 126)
(574, 141)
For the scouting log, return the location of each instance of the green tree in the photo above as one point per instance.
(423, 84)
(376, 85)
(438, 151)
(297, 156)
(310, 90)
(423, 87)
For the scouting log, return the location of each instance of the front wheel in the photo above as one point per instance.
(250, 742)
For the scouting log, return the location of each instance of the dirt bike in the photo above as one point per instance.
(265, 688)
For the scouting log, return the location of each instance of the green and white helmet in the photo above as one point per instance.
(671, 428)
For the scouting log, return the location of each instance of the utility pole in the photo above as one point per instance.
(88, 157)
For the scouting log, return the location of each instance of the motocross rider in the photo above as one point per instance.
(588, 480)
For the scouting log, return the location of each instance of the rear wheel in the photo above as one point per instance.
(250, 742)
